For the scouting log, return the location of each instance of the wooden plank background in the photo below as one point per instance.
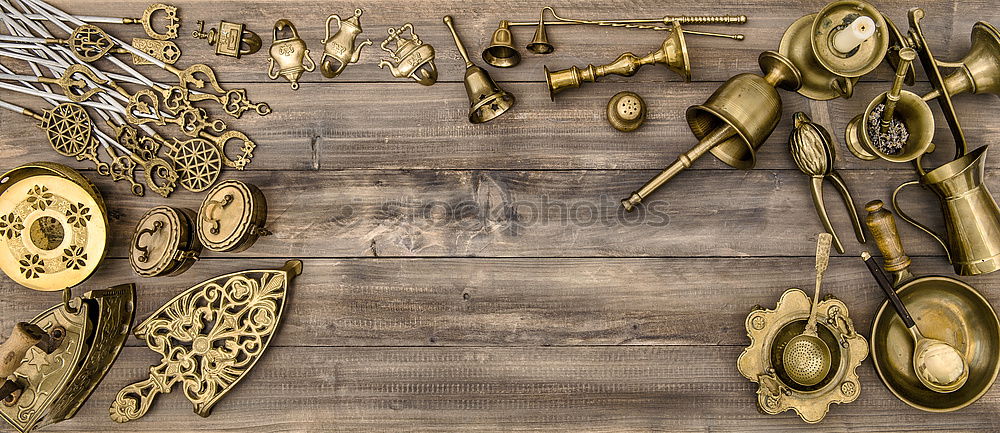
(482, 277)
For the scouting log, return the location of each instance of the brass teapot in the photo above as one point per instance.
(290, 54)
(341, 46)
(411, 58)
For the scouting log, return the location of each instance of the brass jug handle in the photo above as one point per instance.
(915, 223)
(144, 249)
(328, 19)
(211, 207)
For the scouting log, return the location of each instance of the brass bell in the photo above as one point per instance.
(487, 100)
(735, 121)
(836, 46)
(290, 54)
(897, 126)
(979, 71)
(501, 52)
(411, 59)
(672, 53)
(339, 50)
(540, 43)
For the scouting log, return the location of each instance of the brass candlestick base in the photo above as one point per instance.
(672, 53)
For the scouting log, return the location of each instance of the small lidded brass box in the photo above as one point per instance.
(164, 242)
(232, 217)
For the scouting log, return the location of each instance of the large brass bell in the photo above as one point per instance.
(672, 53)
(836, 46)
(487, 100)
(501, 52)
(734, 122)
(897, 126)
(289, 53)
(340, 50)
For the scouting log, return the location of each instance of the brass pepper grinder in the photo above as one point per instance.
(672, 53)
(487, 100)
(734, 122)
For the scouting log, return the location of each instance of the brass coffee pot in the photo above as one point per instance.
(487, 100)
(734, 122)
(339, 50)
(411, 58)
(290, 54)
(672, 53)
(836, 46)
(971, 215)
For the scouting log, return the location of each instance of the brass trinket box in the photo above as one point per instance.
(770, 331)
(53, 226)
(232, 217)
(164, 242)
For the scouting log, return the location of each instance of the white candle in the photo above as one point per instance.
(854, 34)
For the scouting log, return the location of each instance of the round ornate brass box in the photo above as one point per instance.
(948, 310)
(53, 226)
(164, 242)
(232, 217)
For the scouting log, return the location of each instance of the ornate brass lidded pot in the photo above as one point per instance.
(411, 58)
(232, 217)
(672, 53)
(340, 50)
(289, 53)
(164, 242)
(734, 122)
(832, 48)
(487, 100)
(771, 330)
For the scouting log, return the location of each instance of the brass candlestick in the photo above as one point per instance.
(672, 53)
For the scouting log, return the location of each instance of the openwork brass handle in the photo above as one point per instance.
(210, 210)
(144, 249)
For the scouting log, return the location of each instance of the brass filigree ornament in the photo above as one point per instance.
(169, 13)
(411, 58)
(771, 330)
(210, 337)
(289, 53)
(86, 334)
(164, 51)
(231, 39)
(53, 226)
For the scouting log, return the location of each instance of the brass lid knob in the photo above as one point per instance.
(626, 111)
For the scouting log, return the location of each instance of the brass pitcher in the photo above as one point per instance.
(290, 54)
(970, 213)
(340, 47)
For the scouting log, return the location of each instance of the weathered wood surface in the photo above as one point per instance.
(462, 277)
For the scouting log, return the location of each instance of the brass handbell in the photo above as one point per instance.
(672, 53)
(501, 52)
(734, 122)
(487, 100)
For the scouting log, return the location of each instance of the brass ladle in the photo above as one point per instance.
(935, 362)
(806, 357)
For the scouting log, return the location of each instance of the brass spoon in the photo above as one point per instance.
(806, 357)
(935, 362)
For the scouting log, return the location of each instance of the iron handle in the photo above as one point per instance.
(883, 283)
(12, 351)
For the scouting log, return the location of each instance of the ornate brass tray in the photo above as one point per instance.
(770, 330)
(53, 226)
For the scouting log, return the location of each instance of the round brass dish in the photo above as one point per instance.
(948, 310)
(164, 242)
(53, 226)
(232, 217)
(817, 82)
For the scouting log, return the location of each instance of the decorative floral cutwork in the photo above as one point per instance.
(39, 197)
(11, 226)
(78, 215)
(32, 266)
(74, 257)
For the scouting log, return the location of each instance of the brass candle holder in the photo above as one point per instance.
(734, 122)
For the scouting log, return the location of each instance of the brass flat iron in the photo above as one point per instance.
(734, 122)
(210, 337)
(672, 53)
(487, 100)
(231, 39)
(340, 50)
(836, 46)
(411, 58)
(290, 54)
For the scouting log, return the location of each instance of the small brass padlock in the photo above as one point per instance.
(290, 54)
(340, 47)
